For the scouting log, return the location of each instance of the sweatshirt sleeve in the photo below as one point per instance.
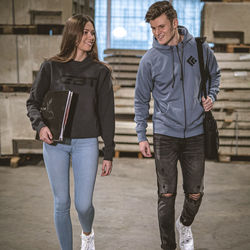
(106, 113)
(38, 90)
(143, 88)
(214, 74)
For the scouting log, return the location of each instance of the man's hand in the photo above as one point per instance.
(45, 135)
(145, 149)
(207, 103)
(106, 168)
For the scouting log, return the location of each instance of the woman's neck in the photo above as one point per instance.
(80, 55)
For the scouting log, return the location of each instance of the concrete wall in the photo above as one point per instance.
(22, 8)
(14, 123)
(8, 66)
(226, 17)
(6, 12)
(32, 49)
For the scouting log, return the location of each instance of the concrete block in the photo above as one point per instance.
(14, 123)
(8, 66)
(225, 23)
(32, 49)
(32, 52)
(22, 10)
(6, 16)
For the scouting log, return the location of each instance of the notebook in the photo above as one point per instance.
(55, 111)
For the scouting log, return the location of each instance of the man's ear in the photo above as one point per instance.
(175, 23)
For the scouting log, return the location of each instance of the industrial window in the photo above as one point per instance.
(120, 24)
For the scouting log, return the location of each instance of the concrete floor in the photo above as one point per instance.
(126, 212)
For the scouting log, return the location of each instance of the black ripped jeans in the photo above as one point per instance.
(190, 152)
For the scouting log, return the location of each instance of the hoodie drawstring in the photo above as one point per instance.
(180, 59)
(173, 76)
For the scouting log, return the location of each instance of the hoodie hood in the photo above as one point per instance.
(182, 31)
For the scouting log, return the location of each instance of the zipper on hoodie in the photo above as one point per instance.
(182, 81)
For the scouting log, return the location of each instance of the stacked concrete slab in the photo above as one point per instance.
(227, 23)
(32, 50)
(233, 105)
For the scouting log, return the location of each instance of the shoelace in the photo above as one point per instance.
(186, 233)
(87, 240)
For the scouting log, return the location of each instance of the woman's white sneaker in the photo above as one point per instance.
(88, 241)
(186, 241)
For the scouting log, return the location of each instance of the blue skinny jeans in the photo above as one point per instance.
(84, 153)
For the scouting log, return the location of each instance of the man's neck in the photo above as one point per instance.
(176, 39)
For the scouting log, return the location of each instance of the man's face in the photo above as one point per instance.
(162, 29)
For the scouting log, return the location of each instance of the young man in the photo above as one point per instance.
(170, 70)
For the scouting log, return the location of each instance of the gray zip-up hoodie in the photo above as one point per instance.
(172, 74)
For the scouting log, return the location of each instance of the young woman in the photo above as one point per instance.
(78, 69)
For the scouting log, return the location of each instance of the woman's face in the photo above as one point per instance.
(88, 38)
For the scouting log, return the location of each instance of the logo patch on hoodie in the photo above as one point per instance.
(191, 60)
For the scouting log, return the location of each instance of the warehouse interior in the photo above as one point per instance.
(31, 31)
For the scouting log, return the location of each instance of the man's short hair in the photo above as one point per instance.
(159, 8)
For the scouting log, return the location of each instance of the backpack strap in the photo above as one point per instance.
(199, 42)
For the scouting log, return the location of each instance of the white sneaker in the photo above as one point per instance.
(88, 242)
(186, 241)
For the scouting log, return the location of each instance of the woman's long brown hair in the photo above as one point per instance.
(72, 34)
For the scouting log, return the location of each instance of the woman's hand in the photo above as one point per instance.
(45, 135)
(207, 103)
(106, 168)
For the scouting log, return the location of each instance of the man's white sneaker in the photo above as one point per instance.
(186, 241)
(88, 242)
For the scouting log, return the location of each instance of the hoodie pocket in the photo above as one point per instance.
(172, 116)
(195, 117)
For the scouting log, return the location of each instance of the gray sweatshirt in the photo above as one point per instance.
(172, 74)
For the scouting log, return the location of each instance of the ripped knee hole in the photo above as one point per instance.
(167, 195)
(195, 197)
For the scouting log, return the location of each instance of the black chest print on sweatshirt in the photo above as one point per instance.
(191, 60)
(72, 80)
